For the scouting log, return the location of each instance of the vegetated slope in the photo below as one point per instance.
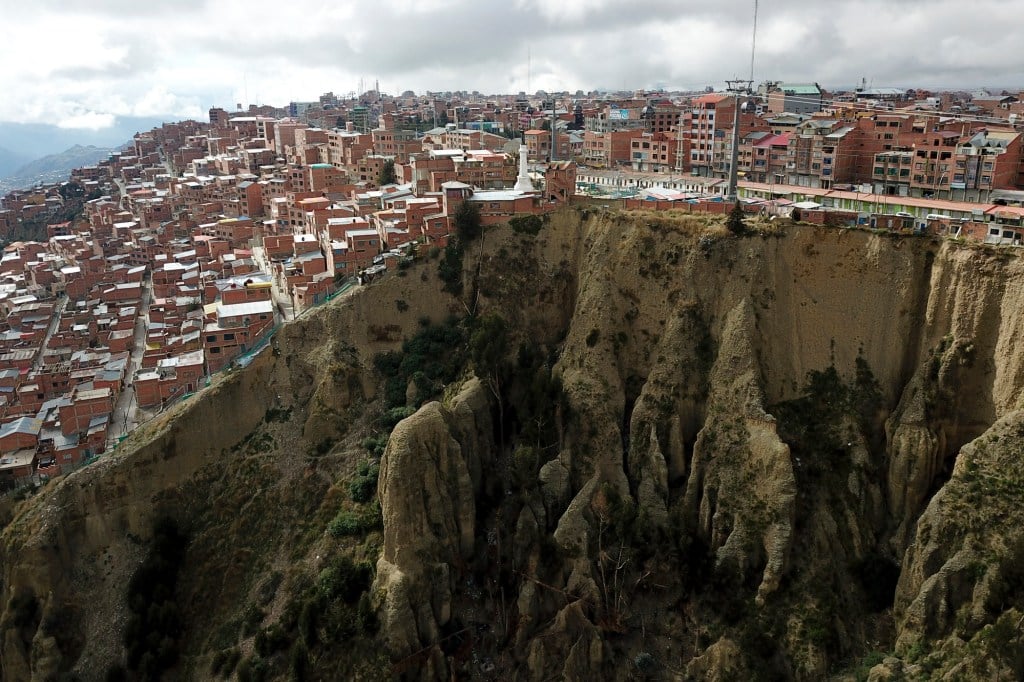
(658, 450)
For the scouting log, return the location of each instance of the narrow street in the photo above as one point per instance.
(282, 302)
(62, 303)
(123, 418)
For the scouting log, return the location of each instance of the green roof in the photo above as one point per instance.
(801, 89)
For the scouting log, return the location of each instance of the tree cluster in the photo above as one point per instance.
(735, 222)
(387, 174)
(154, 627)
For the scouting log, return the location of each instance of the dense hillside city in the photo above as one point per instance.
(546, 385)
(137, 277)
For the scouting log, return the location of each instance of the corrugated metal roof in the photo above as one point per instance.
(241, 309)
(800, 89)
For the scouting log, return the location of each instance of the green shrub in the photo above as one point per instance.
(299, 662)
(375, 445)
(449, 269)
(346, 523)
(349, 523)
(344, 580)
(525, 464)
(735, 220)
(526, 224)
(224, 662)
(396, 414)
(252, 618)
(869, 661)
(277, 414)
(253, 669)
(431, 359)
(593, 337)
(467, 221)
(217, 662)
(268, 588)
(270, 640)
(645, 664)
(322, 446)
(362, 488)
(366, 616)
(308, 619)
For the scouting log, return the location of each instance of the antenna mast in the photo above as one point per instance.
(739, 88)
(528, 70)
(753, 43)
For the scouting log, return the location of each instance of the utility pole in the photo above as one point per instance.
(738, 88)
(554, 151)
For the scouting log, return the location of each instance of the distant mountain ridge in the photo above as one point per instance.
(10, 161)
(54, 167)
(33, 140)
(73, 157)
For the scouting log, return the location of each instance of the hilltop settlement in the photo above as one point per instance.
(126, 287)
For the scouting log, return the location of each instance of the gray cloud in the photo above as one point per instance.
(121, 57)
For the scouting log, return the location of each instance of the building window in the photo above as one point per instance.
(229, 337)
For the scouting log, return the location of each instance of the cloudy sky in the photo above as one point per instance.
(84, 64)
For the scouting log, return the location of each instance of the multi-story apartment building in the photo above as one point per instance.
(661, 117)
(390, 141)
(607, 150)
(613, 117)
(762, 157)
(346, 148)
(891, 174)
(986, 161)
(711, 116)
(653, 152)
(933, 164)
(538, 144)
(821, 153)
(802, 98)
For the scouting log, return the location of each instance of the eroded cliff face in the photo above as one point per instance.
(699, 455)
